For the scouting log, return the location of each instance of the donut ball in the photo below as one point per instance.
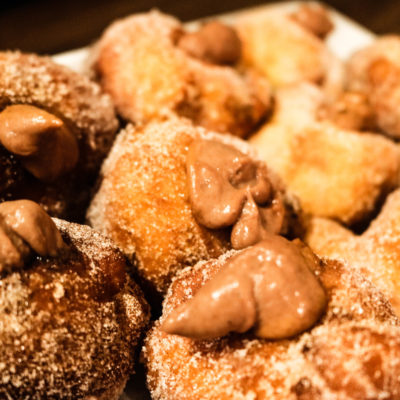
(70, 316)
(352, 352)
(152, 66)
(152, 200)
(56, 126)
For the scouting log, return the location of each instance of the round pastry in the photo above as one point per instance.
(358, 66)
(350, 348)
(375, 252)
(55, 128)
(172, 194)
(70, 317)
(288, 48)
(151, 66)
(375, 71)
(336, 172)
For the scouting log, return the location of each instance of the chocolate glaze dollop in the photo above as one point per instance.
(269, 287)
(40, 140)
(315, 18)
(214, 42)
(26, 229)
(227, 188)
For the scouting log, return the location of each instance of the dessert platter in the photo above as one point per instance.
(203, 211)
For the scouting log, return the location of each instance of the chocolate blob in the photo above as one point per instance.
(214, 42)
(45, 146)
(314, 18)
(228, 188)
(270, 287)
(25, 228)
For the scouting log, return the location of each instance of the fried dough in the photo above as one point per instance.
(69, 326)
(353, 353)
(375, 253)
(286, 52)
(139, 63)
(143, 200)
(336, 173)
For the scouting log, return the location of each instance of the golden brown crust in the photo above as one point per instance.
(148, 75)
(143, 204)
(31, 79)
(143, 200)
(350, 111)
(69, 326)
(352, 353)
(286, 52)
(375, 253)
(357, 67)
(336, 173)
(79, 103)
(375, 71)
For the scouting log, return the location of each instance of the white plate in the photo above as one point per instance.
(347, 37)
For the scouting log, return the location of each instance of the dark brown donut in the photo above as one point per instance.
(69, 325)
(27, 79)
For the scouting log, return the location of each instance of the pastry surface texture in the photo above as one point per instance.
(336, 173)
(69, 325)
(77, 106)
(375, 252)
(352, 353)
(145, 173)
(242, 237)
(140, 63)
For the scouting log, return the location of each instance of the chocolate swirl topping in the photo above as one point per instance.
(25, 229)
(228, 188)
(42, 142)
(269, 287)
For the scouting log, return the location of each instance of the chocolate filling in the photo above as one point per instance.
(228, 188)
(25, 229)
(269, 287)
(42, 142)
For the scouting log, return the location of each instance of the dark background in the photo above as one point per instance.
(46, 26)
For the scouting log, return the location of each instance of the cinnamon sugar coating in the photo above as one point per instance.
(143, 200)
(86, 112)
(375, 71)
(286, 51)
(376, 253)
(352, 353)
(337, 173)
(69, 325)
(139, 63)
